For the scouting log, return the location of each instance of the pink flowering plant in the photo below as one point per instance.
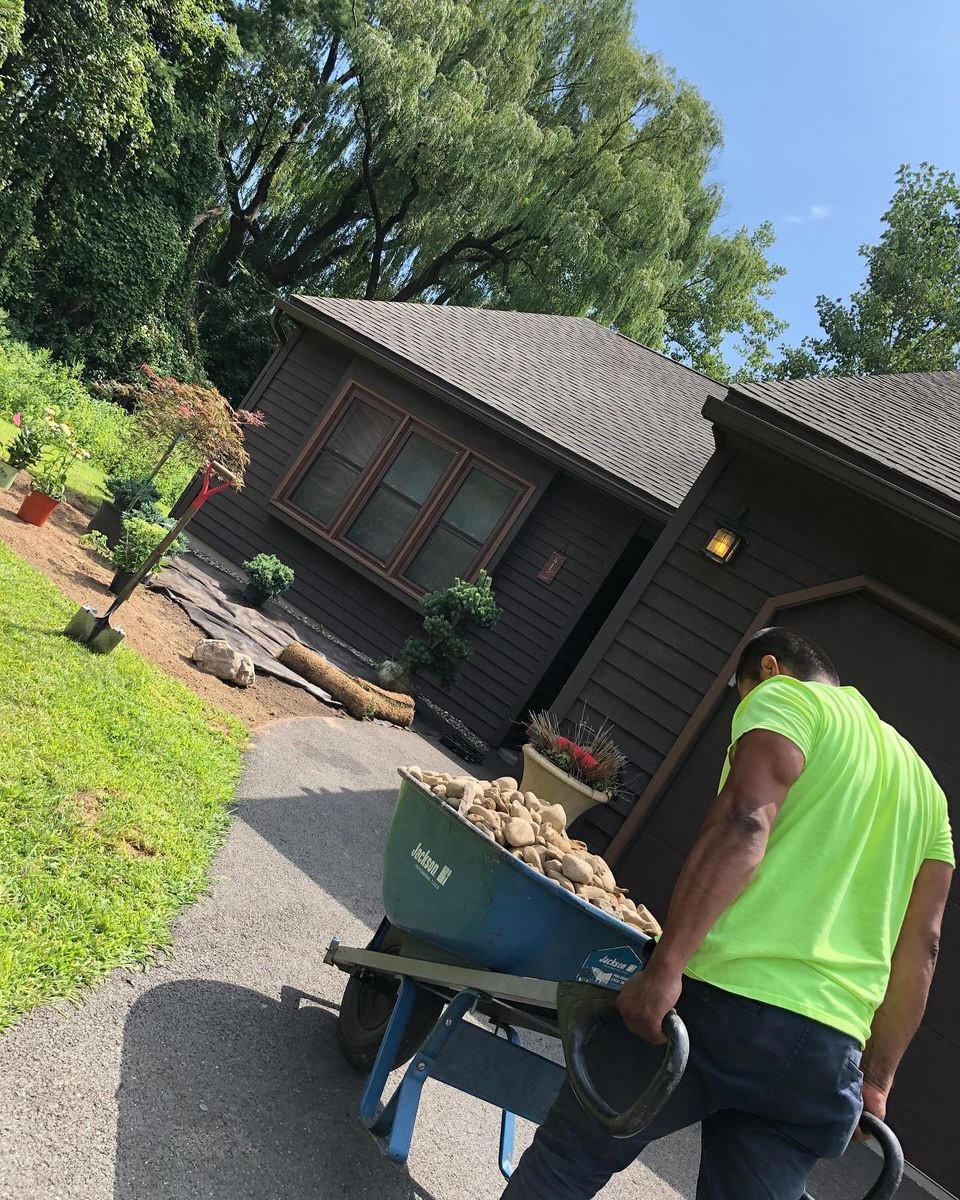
(589, 755)
(60, 451)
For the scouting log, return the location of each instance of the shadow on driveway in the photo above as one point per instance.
(335, 837)
(226, 1094)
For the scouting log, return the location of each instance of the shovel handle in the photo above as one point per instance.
(891, 1172)
(585, 1007)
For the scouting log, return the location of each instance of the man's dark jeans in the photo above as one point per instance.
(774, 1092)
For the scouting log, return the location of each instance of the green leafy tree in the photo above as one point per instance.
(473, 152)
(12, 17)
(906, 316)
(168, 166)
(109, 111)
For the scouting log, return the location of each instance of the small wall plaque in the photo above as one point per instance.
(551, 567)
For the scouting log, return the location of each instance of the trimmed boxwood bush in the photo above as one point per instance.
(268, 574)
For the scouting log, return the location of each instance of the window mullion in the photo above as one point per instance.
(369, 478)
(428, 516)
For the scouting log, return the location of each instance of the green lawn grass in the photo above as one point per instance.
(84, 480)
(114, 786)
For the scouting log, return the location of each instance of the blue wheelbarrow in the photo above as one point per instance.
(470, 929)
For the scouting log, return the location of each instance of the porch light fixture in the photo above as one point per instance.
(723, 545)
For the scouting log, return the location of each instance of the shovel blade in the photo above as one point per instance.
(82, 624)
(105, 640)
(93, 632)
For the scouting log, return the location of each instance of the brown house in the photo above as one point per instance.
(408, 444)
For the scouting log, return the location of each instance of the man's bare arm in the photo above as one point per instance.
(911, 973)
(730, 847)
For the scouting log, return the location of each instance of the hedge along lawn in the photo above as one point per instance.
(85, 480)
(114, 786)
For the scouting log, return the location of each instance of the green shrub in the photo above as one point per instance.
(268, 574)
(104, 428)
(32, 381)
(444, 645)
(124, 489)
(140, 538)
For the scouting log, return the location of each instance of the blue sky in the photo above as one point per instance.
(821, 102)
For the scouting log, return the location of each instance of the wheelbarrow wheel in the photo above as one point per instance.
(365, 1010)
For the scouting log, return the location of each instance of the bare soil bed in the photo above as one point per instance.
(155, 626)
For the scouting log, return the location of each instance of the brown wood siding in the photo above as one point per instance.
(591, 531)
(802, 530)
(568, 516)
(239, 525)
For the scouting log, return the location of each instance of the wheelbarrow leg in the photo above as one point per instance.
(383, 1064)
(395, 1124)
(508, 1122)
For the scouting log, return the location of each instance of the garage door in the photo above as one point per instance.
(911, 677)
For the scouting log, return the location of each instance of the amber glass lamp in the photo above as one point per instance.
(723, 545)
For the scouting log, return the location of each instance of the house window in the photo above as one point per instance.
(401, 496)
(386, 518)
(464, 527)
(334, 473)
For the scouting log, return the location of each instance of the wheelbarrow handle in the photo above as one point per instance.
(891, 1172)
(581, 1007)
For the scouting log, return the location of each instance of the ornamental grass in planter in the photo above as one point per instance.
(576, 772)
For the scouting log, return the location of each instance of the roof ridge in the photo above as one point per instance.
(669, 358)
(853, 380)
(427, 306)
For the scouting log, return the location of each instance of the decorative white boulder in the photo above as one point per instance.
(217, 657)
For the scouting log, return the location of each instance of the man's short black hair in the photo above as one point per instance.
(800, 657)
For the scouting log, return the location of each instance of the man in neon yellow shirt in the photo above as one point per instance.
(803, 930)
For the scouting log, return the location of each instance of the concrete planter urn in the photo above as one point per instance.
(8, 474)
(553, 786)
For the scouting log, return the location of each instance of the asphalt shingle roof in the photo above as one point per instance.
(610, 401)
(636, 414)
(909, 423)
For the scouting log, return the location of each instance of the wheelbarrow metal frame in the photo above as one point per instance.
(453, 1049)
(441, 956)
(483, 1064)
(498, 1070)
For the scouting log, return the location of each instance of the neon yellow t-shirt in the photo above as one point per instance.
(815, 929)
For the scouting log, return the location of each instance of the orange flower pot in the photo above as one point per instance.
(36, 508)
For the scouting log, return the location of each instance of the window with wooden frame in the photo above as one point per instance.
(397, 494)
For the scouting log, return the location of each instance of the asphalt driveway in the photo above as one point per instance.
(215, 1073)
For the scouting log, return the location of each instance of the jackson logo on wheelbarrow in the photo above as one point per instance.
(610, 968)
(428, 866)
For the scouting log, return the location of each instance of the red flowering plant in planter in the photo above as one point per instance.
(590, 755)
